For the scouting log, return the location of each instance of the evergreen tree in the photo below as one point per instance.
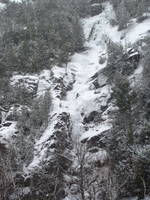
(36, 35)
(123, 15)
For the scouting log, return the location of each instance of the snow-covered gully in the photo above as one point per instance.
(83, 97)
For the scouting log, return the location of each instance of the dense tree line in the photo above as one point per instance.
(35, 35)
(129, 143)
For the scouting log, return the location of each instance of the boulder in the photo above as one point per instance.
(133, 55)
(94, 116)
(90, 117)
(74, 189)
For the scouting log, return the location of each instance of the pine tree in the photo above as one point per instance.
(123, 15)
(125, 100)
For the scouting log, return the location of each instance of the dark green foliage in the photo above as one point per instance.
(124, 139)
(118, 62)
(82, 6)
(145, 91)
(115, 55)
(46, 184)
(13, 94)
(125, 100)
(124, 96)
(129, 147)
(7, 158)
(146, 71)
(36, 35)
(36, 117)
(123, 15)
(142, 168)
